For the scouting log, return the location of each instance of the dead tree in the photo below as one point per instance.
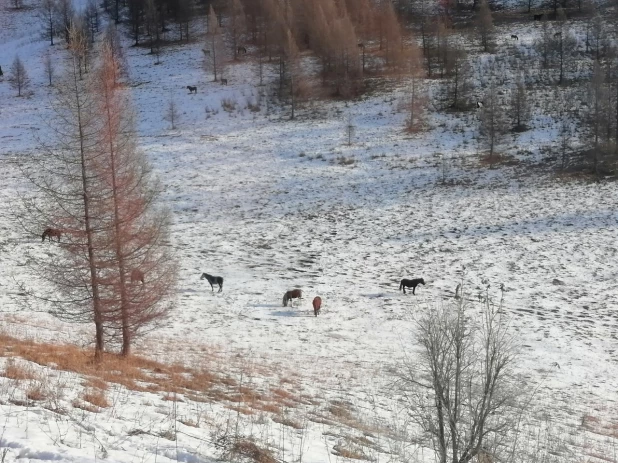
(18, 76)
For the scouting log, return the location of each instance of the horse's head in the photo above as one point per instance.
(203, 276)
(422, 282)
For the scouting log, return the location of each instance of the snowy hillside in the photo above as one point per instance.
(272, 204)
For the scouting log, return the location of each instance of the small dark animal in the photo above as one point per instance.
(361, 45)
(317, 304)
(538, 17)
(558, 34)
(1, 73)
(292, 294)
(223, 81)
(411, 284)
(514, 37)
(192, 89)
(211, 279)
(242, 50)
(137, 275)
(206, 52)
(50, 233)
(479, 104)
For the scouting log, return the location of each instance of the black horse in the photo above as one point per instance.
(411, 284)
(192, 89)
(213, 280)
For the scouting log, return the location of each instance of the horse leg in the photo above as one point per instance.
(404, 289)
(211, 286)
(413, 290)
(220, 287)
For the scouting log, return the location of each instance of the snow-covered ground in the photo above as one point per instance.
(269, 204)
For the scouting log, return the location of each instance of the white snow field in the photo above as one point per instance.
(272, 204)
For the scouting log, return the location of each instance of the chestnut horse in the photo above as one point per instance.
(317, 303)
(137, 275)
(51, 232)
(292, 294)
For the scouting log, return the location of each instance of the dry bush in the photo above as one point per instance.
(349, 452)
(243, 410)
(85, 406)
(343, 161)
(37, 392)
(96, 383)
(17, 372)
(95, 397)
(287, 421)
(247, 449)
(228, 104)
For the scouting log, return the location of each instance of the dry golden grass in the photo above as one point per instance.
(142, 374)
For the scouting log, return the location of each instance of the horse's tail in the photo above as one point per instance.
(44, 235)
(400, 285)
(285, 300)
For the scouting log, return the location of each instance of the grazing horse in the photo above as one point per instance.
(192, 89)
(223, 81)
(242, 50)
(514, 37)
(137, 275)
(538, 17)
(411, 284)
(49, 233)
(317, 304)
(292, 294)
(213, 280)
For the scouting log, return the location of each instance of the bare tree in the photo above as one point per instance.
(485, 25)
(350, 128)
(491, 120)
(64, 17)
(566, 125)
(171, 112)
(238, 25)
(462, 393)
(18, 77)
(544, 44)
(92, 19)
(49, 67)
(564, 44)
(66, 197)
(214, 52)
(135, 230)
(597, 113)
(460, 72)
(520, 107)
(79, 43)
(47, 14)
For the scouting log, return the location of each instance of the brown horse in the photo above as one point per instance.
(292, 294)
(137, 275)
(317, 304)
(50, 233)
